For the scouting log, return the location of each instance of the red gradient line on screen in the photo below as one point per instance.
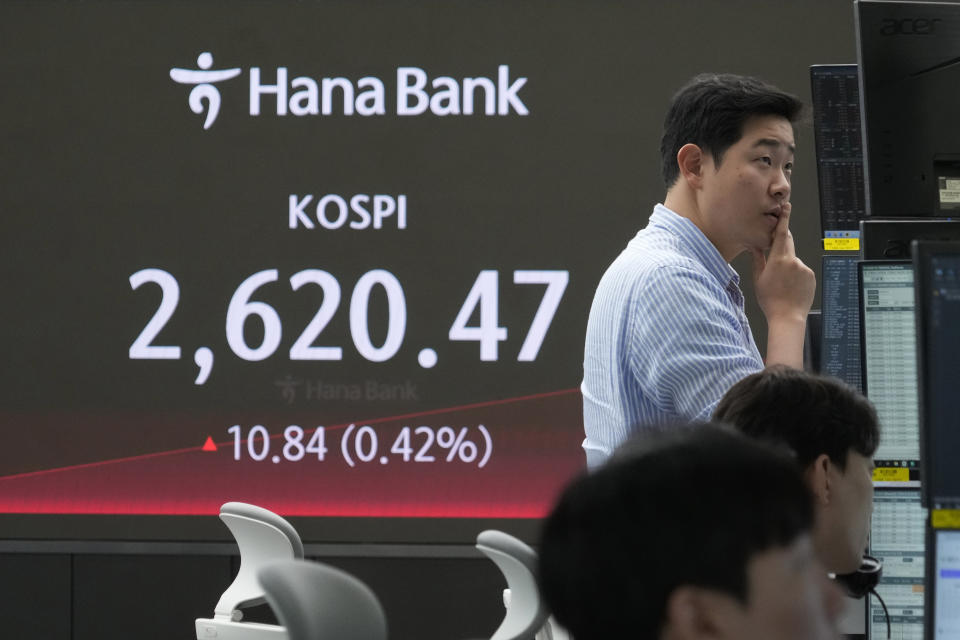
(537, 451)
(371, 421)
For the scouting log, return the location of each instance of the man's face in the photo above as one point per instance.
(741, 197)
(844, 523)
(790, 598)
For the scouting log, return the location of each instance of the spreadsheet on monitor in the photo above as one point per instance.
(889, 344)
(840, 341)
(836, 126)
(897, 539)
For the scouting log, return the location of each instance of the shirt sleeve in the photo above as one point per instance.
(688, 345)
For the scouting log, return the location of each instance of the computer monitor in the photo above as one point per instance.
(840, 319)
(836, 131)
(897, 538)
(888, 344)
(907, 54)
(938, 314)
(944, 595)
(890, 239)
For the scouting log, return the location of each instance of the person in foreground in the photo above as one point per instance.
(833, 431)
(667, 333)
(693, 532)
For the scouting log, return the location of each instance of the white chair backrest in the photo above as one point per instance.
(263, 537)
(526, 614)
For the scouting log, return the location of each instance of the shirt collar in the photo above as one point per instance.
(694, 240)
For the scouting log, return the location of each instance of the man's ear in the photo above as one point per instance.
(818, 478)
(690, 160)
(695, 613)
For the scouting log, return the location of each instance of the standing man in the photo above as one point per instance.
(667, 333)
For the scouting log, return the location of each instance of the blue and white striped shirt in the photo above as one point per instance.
(667, 335)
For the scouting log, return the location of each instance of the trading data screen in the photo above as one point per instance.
(889, 358)
(836, 126)
(840, 344)
(897, 539)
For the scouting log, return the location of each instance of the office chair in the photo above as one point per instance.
(263, 537)
(315, 601)
(526, 616)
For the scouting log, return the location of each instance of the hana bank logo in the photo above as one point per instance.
(417, 93)
(204, 89)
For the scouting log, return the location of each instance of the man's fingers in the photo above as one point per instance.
(782, 239)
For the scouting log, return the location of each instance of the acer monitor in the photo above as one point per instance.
(909, 61)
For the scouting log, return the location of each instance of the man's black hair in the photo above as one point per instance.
(810, 414)
(690, 507)
(710, 112)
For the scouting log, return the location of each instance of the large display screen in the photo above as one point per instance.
(329, 260)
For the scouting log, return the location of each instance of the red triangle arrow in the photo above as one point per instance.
(209, 445)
